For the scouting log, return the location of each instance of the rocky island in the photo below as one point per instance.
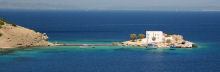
(14, 36)
(158, 39)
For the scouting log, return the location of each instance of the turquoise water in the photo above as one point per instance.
(109, 59)
(105, 27)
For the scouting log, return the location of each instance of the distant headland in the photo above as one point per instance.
(14, 36)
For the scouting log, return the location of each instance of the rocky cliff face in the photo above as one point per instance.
(14, 36)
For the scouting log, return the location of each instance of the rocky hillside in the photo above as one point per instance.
(14, 36)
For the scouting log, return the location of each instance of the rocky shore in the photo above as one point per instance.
(14, 36)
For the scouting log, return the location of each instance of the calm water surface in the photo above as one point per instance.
(110, 26)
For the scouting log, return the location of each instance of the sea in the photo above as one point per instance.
(105, 27)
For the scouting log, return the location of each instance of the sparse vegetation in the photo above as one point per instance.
(133, 37)
(3, 20)
(35, 31)
(1, 23)
(0, 26)
(169, 34)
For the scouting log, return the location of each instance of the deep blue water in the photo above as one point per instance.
(110, 26)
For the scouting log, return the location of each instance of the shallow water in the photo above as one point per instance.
(100, 27)
(111, 59)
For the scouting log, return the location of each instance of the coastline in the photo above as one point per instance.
(8, 51)
(119, 55)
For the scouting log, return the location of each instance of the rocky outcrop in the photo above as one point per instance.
(176, 41)
(183, 44)
(14, 36)
(136, 43)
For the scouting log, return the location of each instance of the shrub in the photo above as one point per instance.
(3, 20)
(35, 31)
(0, 34)
(133, 37)
(168, 34)
(168, 41)
(141, 36)
(176, 39)
(14, 25)
(154, 38)
(1, 23)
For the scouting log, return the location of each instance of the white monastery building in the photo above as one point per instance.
(154, 36)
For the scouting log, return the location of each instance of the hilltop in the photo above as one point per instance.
(15, 36)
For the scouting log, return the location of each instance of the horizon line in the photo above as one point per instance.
(2, 9)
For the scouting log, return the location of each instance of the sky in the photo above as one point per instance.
(176, 5)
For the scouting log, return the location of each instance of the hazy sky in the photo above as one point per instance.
(112, 4)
